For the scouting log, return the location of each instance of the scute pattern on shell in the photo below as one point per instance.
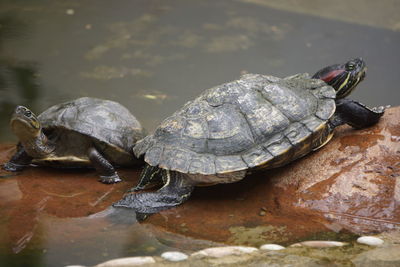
(242, 124)
(105, 120)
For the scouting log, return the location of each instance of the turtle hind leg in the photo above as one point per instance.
(356, 114)
(149, 176)
(176, 190)
(108, 175)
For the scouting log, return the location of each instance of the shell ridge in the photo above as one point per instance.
(202, 155)
(250, 130)
(245, 133)
(274, 105)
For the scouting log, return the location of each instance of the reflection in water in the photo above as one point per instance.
(18, 79)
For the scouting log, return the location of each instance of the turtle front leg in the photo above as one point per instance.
(356, 114)
(18, 161)
(176, 190)
(108, 175)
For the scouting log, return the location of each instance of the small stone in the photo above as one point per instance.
(70, 11)
(126, 262)
(262, 213)
(88, 26)
(271, 247)
(174, 256)
(370, 240)
(319, 244)
(218, 252)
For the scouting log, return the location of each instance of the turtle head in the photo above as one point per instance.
(343, 77)
(25, 124)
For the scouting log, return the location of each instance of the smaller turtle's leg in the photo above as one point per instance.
(18, 161)
(149, 175)
(176, 190)
(356, 114)
(108, 175)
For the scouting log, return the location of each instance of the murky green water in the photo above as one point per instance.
(154, 55)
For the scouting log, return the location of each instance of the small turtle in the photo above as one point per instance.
(256, 122)
(82, 132)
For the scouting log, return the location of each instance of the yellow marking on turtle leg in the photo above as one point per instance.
(168, 179)
(325, 142)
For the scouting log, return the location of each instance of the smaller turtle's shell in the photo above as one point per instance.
(255, 121)
(104, 120)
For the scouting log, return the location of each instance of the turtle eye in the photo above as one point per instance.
(350, 66)
(28, 114)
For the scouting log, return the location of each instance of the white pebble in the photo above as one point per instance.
(174, 256)
(218, 252)
(126, 262)
(370, 240)
(319, 244)
(271, 247)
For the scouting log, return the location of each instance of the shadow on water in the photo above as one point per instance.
(152, 56)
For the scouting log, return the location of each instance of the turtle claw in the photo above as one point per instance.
(112, 179)
(380, 109)
(13, 167)
(135, 189)
(140, 217)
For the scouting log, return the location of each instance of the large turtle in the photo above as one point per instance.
(82, 132)
(256, 122)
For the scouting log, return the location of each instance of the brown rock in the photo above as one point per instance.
(352, 184)
(55, 205)
(61, 193)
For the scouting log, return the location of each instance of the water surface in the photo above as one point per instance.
(153, 56)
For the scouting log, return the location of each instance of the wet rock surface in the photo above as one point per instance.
(37, 195)
(352, 185)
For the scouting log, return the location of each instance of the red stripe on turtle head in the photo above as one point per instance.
(327, 77)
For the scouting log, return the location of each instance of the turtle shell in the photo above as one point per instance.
(256, 121)
(104, 121)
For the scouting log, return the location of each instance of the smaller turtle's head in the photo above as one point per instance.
(343, 77)
(24, 123)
